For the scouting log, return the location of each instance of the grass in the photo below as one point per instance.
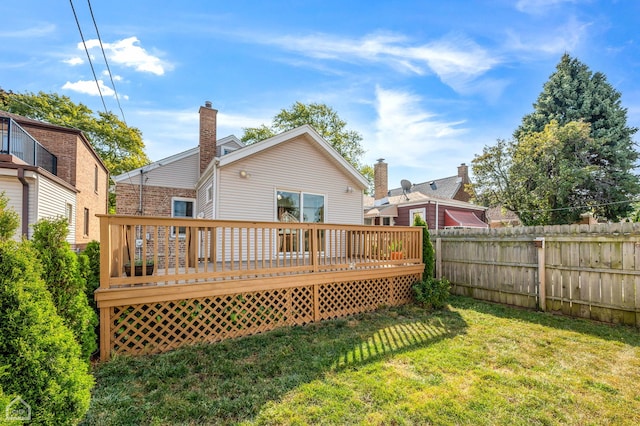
(473, 363)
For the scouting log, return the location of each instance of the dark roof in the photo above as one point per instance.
(444, 188)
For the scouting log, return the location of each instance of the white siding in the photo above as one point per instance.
(297, 165)
(12, 189)
(182, 173)
(52, 203)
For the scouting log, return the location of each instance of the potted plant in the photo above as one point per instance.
(395, 249)
(138, 264)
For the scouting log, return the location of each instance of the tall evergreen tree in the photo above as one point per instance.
(574, 93)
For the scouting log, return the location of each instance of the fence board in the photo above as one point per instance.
(593, 271)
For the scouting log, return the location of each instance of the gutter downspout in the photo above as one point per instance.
(437, 216)
(140, 200)
(25, 202)
(215, 175)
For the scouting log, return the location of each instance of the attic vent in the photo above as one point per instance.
(433, 185)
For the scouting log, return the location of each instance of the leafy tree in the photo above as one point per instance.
(574, 93)
(64, 278)
(545, 177)
(120, 147)
(325, 121)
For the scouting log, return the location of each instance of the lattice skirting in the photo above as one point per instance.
(161, 326)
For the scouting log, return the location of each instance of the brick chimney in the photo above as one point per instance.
(381, 189)
(207, 135)
(463, 172)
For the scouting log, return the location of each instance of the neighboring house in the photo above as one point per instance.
(52, 171)
(294, 176)
(442, 203)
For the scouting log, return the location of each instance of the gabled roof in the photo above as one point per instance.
(304, 130)
(444, 188)
(173, 158)
(415, 198)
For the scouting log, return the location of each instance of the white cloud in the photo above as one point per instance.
(28, 33)
(407, 134)
(557, 40)
(539, 7)
(89, 87)
(129, 53)
(455, 59)
(74, 61)
(114, 77)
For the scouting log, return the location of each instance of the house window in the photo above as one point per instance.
(209, 195)
(181, 207)
(95, 178)
(224, 150)
(417, 212)
(297, 207)
(69, 212)
(86, 222)
(386, 221)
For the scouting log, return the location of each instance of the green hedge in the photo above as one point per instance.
(39, 357)
(62, 273)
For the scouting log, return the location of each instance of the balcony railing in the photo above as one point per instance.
(16, 141)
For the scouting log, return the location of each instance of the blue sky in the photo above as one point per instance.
(426, 83)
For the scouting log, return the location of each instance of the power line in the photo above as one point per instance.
(88, 56)
(578, 207)
(106, 62)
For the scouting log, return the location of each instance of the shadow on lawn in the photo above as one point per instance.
(231, 381)
(614, 332)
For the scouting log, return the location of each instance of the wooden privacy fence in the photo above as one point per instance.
(208, 280)
(588, 271)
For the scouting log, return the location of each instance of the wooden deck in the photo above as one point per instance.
(213, 280)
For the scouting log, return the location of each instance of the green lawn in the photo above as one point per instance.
(474, 363)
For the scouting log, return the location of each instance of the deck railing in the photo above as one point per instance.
(210, 280)
(173, 250)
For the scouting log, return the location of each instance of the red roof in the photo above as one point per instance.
(462, 218)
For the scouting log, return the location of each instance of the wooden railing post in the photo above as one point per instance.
(105, 276)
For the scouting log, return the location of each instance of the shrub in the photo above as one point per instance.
(432, 293)
(427, 249)
(9, 219)
(90, 266)
(63, 277)
(39, 358)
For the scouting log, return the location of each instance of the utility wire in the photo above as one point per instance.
(578, 207)
(106, 62)
(88, 56)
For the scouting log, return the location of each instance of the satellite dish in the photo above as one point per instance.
(406, 187)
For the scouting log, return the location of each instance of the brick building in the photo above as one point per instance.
(51, 171)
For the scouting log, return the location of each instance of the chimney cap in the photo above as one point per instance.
(207, 104)
(380, 160)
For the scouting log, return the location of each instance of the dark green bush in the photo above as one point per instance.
(90, 266)
(432, 293)
(63, 277)
(427, 248)
(39, 357)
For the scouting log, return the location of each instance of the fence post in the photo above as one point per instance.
(438, 258)
(542, 289)
(105, 275)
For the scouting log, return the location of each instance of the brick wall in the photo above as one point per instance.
(77, 165)
(207, 135)
(61, 144)
(156, 200)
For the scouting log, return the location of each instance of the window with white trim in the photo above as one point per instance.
(182, 208)
(209, 193)
(422, 212)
